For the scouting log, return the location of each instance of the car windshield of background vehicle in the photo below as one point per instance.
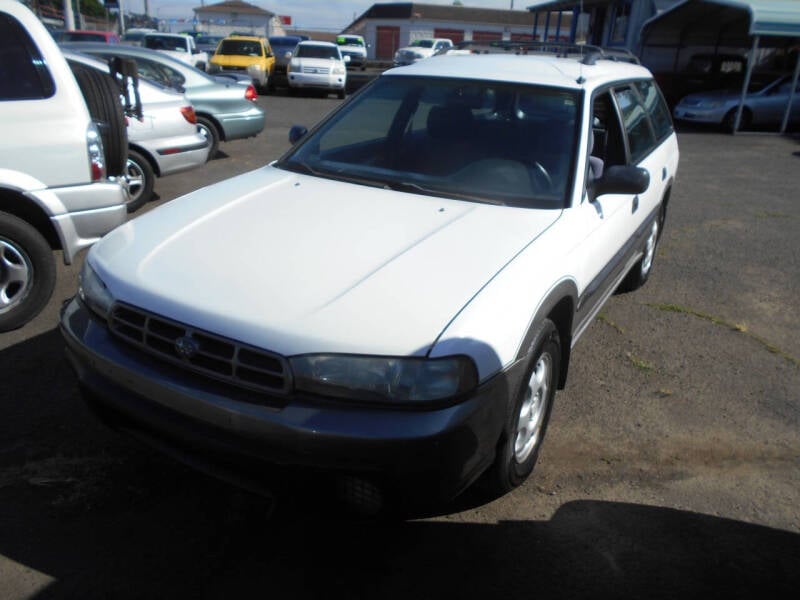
(474, 140)
(240, 48)
(309, 51)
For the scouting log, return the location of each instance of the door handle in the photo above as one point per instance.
(635, 204)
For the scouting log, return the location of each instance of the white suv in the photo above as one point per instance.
(55, 157)
(395, 300)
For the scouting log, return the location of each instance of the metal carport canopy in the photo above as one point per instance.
(732, 22)
(729, 23)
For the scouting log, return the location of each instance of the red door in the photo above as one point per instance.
(454, 35)
(487, 36)
(388, 42)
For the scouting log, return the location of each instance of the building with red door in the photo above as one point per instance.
(387, 27)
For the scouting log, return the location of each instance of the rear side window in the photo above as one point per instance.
(656, 107)
(634, 118)
(23, 72)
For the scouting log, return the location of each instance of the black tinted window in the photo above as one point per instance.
(23, 73)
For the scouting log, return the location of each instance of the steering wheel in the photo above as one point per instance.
(540, 178)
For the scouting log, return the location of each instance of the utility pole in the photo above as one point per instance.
(69, 17)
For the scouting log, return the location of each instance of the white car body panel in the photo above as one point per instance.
(396, 245)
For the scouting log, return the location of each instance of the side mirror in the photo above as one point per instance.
(296, 133)
(622, 179)
(346, 59)
(288, 55)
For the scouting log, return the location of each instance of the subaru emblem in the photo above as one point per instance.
(186, 347)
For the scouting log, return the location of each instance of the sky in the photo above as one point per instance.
(306, 14)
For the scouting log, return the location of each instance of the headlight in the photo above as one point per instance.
(338, 70)
(384, 379)
(93, 292)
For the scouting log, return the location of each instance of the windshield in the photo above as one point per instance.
(349, 41)
(422, 43)
(312, 51)
(164, 42)
(474, 140)
(83, 36)
(240, 47)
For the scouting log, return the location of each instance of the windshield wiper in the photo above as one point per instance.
(415, 188)
(298, 167)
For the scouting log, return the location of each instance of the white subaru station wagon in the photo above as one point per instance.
(395, 300)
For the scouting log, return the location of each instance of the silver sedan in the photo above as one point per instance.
(226, 110)
(764, 105)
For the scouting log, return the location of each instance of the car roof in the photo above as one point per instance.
(542, 69)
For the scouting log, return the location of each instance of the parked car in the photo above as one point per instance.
(208, 43)
(420, 49)
(163, 141)
(134, 35)
(282, 47)
(355, 47)
(246, 54)
(704, 72)
(225, 110)
(178, 46)
(763, 105)
(107, 37)
(317, 66)
(395, 300)
(62, 154)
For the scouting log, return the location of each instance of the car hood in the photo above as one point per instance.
(298, 264)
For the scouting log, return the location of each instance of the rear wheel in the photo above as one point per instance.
(211, 133)
(141, 180)
(27, 272)
(640, 272)
(102, 98)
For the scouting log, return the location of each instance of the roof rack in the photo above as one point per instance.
(589, 54)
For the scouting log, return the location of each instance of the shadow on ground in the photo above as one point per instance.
(94, 515)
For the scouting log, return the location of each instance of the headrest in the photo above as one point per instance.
(451, 122)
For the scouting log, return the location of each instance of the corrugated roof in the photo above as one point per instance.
(766, 17)
(438, 12)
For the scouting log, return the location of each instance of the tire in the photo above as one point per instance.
(141, 180)
(27, 272)
(341, 94)
(526, 425)
(640, 272)
(211, 133)
(102, 98)
(729, 120)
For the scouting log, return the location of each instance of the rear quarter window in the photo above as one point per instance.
(23, 72)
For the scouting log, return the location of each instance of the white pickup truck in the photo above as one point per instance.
(178, 46)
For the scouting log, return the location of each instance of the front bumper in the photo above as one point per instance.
(416, 454)
(327, 81)
(698, 115)
(92, 210)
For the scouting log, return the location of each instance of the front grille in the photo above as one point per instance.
(201, 352)
(318, 70)
(235, 68)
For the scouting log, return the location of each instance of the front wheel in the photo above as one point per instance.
(141, 180)
(527, 421)
(27, 272)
